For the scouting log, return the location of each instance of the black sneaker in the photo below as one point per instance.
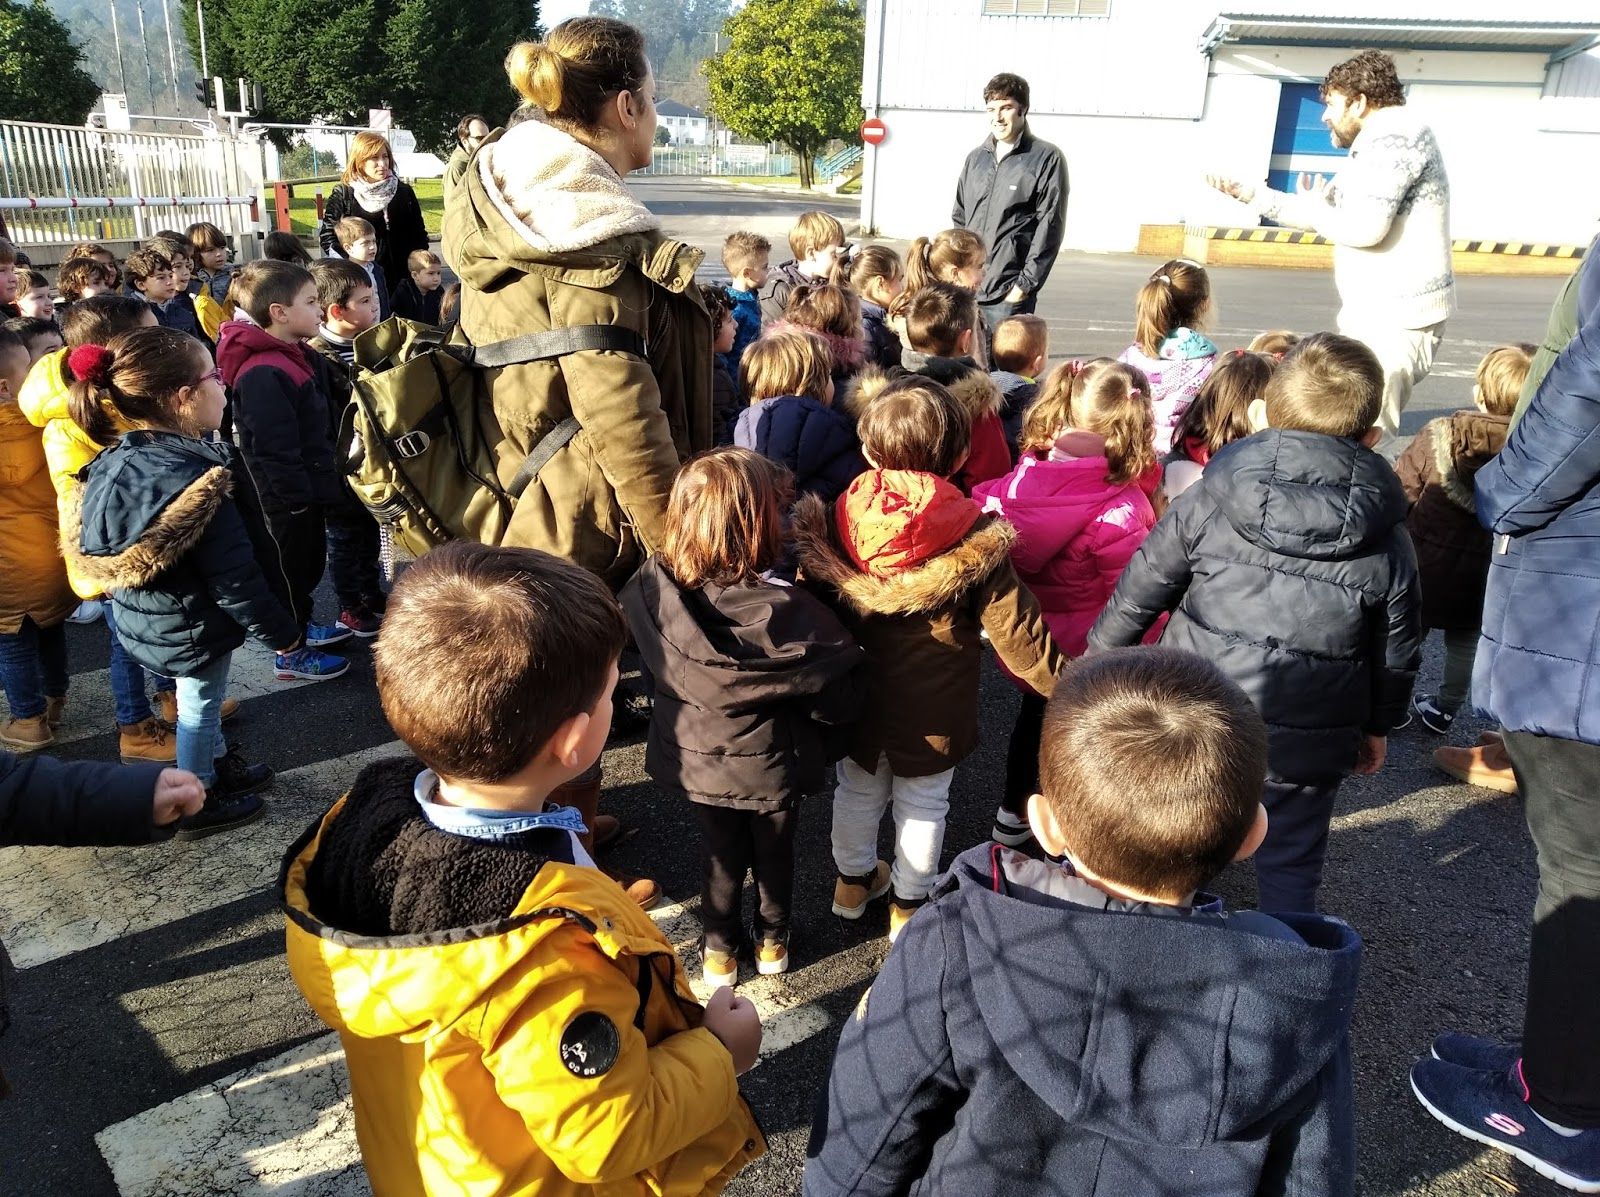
(236, 777)
(630, 713)
(220, 813)
(1434, 717)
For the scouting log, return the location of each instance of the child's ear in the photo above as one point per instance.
(964, 343)
(1257, 415)
(1257, 833)
(1478, 400)
(1372, 436)
(566, 746)
(1046, 827)
(1036, 367)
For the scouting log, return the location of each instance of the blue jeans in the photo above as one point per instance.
(127, 678)
(200, 740)
(33, 666)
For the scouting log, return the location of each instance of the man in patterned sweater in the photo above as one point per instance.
(1387, 213)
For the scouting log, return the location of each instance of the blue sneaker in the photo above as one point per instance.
(1473, 1051)
(322, 635)
(1488, 1106)
(309, 665)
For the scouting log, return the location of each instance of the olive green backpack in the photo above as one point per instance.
(420, 439)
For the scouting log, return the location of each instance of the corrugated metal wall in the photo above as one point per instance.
(1142, 60)
(1577, 77)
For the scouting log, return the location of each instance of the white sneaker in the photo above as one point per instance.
(87, 612)
(1008, 831)
(719, 969)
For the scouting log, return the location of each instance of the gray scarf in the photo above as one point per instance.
(375, 197)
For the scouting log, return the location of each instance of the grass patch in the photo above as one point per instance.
(303, 206)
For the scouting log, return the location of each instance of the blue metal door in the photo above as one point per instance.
(1300, 140)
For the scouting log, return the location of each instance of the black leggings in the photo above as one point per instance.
(1022, 759)
(736, 840)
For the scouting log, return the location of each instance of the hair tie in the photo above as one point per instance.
(1163, 278)
(91, 364)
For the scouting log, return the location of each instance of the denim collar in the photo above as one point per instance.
(481, 823)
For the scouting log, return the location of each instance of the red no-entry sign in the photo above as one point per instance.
(873, 130)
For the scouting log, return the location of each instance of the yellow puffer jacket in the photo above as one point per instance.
(67, 448)
(467, 1048)
(33, 578)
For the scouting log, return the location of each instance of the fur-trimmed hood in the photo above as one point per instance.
(144, 504)
(937, 582)
(961, 376)
(1463, 444)
(557, 193)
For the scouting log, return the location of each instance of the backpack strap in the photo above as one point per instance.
(549, 445)
(557, 342)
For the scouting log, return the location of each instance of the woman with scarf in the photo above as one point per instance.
(370, 189)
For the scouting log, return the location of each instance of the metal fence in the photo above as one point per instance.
(66, 162)
(731, 161)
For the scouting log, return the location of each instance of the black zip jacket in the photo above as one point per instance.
(1019, 208)
(399, 227)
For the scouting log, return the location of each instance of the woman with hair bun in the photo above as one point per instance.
(546, 235)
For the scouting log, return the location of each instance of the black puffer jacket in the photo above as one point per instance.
(172, 529)
(1288, 566)
(749, 680)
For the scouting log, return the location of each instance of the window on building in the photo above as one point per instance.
(1047, 8)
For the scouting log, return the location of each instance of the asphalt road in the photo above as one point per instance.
(133, 997)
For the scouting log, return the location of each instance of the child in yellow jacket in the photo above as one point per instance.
(513, 1022)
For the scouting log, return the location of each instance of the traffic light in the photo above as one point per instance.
(200, 95)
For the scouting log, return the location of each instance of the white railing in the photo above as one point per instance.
(731, 161)
(144, 172)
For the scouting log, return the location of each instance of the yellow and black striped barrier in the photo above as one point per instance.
(1223, 245)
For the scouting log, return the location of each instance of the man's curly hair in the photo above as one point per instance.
(1370, 73)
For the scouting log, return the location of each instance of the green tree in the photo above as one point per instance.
(432, 61)
(791, 72)
(41, 69)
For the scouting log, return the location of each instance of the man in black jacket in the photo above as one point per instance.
(1013, 194)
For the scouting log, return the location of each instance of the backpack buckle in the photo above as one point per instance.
(412, 444)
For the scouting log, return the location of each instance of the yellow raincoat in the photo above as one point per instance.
(468, 1048)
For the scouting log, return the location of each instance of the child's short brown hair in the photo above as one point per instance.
(422, 259)
(741, 251)
(1152, 762)
(1275, 343)
(264, 282)
(8, 253)
(352, 229)
(337, 281)
(786, 361)
(29, 279)
(1328, 384)
(94, 321)
(814, 231)
(915, 424)
(77, 273)
(172, 245)
(204, 235)
(279, 246)
(724, 521)
(826, 308)
(487, 651)
(1501, 374)
(937, 316)
(718, 306)
(145, 261)
(1019, 341)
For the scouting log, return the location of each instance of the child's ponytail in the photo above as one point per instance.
(873, 261)
(1174, 297)
(919, 266)
(134, 380)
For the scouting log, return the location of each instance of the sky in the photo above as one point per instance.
(553, 12)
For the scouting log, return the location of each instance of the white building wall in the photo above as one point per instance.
(1142, 116)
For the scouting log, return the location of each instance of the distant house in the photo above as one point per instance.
(688, 126)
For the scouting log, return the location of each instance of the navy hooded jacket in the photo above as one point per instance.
(1289, 567)
(1538, 663)
(1030, 1034)
(818, 443)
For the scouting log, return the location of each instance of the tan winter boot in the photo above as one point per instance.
(149, 742)
(1486, 765)
(27, 735)
(603, 829)
(166, 708)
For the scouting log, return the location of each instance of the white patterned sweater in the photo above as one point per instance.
(1388, 214)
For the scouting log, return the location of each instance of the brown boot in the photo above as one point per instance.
(1485, 765)
(54, 708)
(166, 708)
(585, 798)
(641, 889)
(149, 742)
(27, 735)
